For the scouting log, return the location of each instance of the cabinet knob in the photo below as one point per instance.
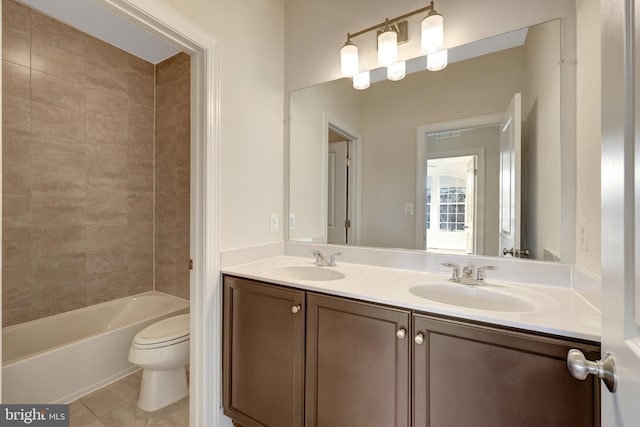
(401, 333)
(296, 308)
(419, 339)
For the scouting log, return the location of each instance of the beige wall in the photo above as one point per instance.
(172, 174)
(589, 100)
(542, 140)
(251, 35)
(77, 168)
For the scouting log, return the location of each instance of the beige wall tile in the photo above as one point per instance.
(55, 209)
(16, 32)
(16, 246)
(54, 124)
(15, 80)
(16, 211)
(57, 61)
(16, 118)
(46, 30)
(78, 162)
(112, 129)
(103, 262)
(106, 237)
(60, 240)
(140, 115)
(56, 91)
(107, 55)
(109, 78)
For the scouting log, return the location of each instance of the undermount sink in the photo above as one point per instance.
(471, 297)
(312, 273)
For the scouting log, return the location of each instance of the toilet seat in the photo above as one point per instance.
(167, 332)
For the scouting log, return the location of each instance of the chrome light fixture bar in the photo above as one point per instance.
(432, 43)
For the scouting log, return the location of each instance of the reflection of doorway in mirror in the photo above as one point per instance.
(450, 204)
(339, 187)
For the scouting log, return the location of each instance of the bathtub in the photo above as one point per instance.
(60, 358)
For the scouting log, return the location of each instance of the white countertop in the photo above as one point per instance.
(554, 310)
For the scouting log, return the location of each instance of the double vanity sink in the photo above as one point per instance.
(550, 309)
(300, 340)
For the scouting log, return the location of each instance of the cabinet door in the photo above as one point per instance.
(263, 354)
(357, 364)
(473, 375)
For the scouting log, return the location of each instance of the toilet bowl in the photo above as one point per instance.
(162, 350)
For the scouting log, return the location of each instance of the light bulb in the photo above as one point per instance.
(387, 47)
(437, 61)
(349, 59)
(361, 80)
(432, 33)
(396, 71)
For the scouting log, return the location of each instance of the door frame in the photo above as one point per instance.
(422, 133)
(205, 288)
(354, 142)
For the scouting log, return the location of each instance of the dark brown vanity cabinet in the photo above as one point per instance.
(469, 375)
(263, 354)
(293, 358)
(358, 361)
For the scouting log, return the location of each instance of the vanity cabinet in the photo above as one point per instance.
(477, 375)
(263, 354)
(358, 362)
(294, 358)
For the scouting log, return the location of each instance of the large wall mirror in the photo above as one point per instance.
(466, 160)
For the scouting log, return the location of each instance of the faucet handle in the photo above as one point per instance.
(455, 273)
(480, 271)
(331, 259)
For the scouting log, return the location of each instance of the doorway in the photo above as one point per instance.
(342, 185)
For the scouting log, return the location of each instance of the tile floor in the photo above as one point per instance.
(115, 406)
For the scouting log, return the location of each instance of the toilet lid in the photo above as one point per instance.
(168, 329)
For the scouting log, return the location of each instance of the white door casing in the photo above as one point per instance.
(510, 176)
(470, 216)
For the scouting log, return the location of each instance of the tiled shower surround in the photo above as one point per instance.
(78, 168)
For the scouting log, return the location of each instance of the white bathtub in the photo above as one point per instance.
(60, 358)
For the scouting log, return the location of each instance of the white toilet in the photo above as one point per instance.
(162, 350)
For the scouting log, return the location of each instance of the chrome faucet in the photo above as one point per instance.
(325, 260)
(467, 273)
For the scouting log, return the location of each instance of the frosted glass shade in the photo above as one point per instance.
(361, 80)
(437, 61)
(432, 33)
(349, 65)
(387, 48)
(396, 71)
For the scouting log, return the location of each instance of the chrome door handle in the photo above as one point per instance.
(506, 251)
(401, 333)
(419, 339)
(605, 368)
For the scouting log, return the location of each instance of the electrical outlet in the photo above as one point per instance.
(275, 222)
(583, 241)
(292, 221)
(408, 208)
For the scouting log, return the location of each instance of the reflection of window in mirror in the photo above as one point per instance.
(449, 204)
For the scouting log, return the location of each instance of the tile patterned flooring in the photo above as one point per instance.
(116, 406)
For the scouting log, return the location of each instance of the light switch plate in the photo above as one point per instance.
(408, 208)
(583, 241)
(275, 222)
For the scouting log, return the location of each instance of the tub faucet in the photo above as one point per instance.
(325, 260)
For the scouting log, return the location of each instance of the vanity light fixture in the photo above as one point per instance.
(432, 43)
